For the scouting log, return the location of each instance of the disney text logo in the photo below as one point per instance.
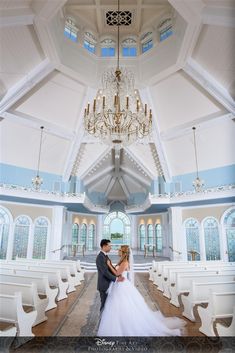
(103, 342)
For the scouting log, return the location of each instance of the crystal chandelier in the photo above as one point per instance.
(38, 181)
(117, 115)
(197, 183)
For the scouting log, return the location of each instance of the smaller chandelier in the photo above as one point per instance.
(38, 181)
(117, 115)
(197, 183)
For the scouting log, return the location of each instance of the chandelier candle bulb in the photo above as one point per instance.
(145, 109)
(88, 108)
(137, 105)
(127, 102)
(115, 100)
(103, 102)
(94, 105)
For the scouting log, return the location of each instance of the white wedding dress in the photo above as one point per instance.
(127, 314)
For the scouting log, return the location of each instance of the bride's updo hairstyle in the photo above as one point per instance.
(124, 252)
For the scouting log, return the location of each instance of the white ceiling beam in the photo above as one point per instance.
(203, 122)
(50, 8)
(139, 162)
(135, 182)
(117, 160)
(113, 7)
(24, 85)
(97, 176)
(189, 10)
(219, 16)
(142, 180)
(146, 96)
(110, 185)
(204, 79)
(124, 187)
(138, 15)
(16, 17)
(98, 15)
(78, 138)
(35, 123)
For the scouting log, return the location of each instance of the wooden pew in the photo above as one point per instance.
(184, 279)
(227, 331)
(7, 329)
(220, 306)
(64, 271)
(200, 292)
(70, 264)
(171, 276)
(54, 277)
(11, 310)
(30, 298)
(42, 283)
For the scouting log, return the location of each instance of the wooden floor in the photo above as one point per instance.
(57, 316)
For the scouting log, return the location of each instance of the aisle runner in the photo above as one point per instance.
(84, 318)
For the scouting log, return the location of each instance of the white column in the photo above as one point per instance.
(57, 229)
(134, 233)
(99, 231)
(10, 241)
(177, 238)
(165, 235)
(30, 241)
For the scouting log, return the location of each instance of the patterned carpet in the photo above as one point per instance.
(83, 319)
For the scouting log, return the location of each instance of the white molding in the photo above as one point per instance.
(16, 17)
(35, 123)
(124, 187)
(24, 85)
(219, 16)
(157, 138)
(98, 175)
(98, 160)
(142, 180)
(139, 162)
(204, 79)
(110, 185)
(200, 123)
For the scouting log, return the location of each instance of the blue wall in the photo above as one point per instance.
(212, 178)
(10, 174)
(13, 175)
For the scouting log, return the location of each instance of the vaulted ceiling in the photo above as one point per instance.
(46, 79)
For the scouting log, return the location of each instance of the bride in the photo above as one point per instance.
(126, 312)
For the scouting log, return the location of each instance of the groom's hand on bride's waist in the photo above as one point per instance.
(120, 278)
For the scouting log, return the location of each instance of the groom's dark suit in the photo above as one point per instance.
(104, 277)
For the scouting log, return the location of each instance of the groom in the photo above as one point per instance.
(105, 276)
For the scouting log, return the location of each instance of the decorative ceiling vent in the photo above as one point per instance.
(123, 18)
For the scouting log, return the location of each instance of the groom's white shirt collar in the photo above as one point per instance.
(104, 252)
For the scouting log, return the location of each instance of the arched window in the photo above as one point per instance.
(70, 29)
(4, 232)
(192, 238)
(146, 41)
(229, 224)
(158, 236)
(89, 42)
(75, 233)
(142, 236)
(165, 29)
(107, 47)
(40, 238)
(21, 236)
(150, 235)
(117, 228)
(91, 237)
(211, 235)
(83, 234)
(129, 47)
